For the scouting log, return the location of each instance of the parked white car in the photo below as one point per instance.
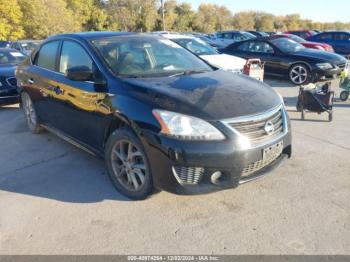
(208, 53)
(226, 38)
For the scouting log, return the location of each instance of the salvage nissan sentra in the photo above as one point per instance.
(161, 117)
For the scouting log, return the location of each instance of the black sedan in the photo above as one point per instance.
(159, 115)
(285, 57)
(9, 58)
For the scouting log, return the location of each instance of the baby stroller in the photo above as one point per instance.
(345, 86)
(316, 99)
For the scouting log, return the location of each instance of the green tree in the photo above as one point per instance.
(264, 22)
(184, 18)
(223, 18)
(211, 17)
(292, 22)
(42, 18)
(89, 15)
(132, 15)
(244, 20)
(10, 20)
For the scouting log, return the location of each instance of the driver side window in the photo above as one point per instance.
(73, 55)
(260, 47)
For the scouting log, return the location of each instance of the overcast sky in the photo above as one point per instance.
(317, 10)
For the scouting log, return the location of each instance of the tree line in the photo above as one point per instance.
(37, 19)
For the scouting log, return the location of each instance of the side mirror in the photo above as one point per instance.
(79, 73)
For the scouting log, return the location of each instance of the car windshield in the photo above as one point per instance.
(247, 35)
(11, 57)
(196, 46)
(148, 57)
(296, 38)
(287, 45)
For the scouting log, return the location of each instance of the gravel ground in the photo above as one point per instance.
(56, 199)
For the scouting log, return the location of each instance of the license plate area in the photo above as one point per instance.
(272, 152)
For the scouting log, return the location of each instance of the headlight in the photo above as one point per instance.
(186, 127)
(324, 66)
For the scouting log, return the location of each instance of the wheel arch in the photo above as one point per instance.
(298, 63)
(118, 122)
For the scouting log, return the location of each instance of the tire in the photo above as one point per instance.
(344, 95)
(299, 74)
(30, 114)
(127, 165)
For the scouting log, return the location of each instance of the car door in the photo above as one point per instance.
(81, 110)
(40, 82)
(341, 43)
(326, 38)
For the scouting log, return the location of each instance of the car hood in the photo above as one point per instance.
(7, 70)
(320, 55)
(226, 62)
(212, 95)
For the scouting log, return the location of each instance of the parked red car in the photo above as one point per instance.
(302, 33)
(314, 45)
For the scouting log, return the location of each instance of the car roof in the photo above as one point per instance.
(231, 31)
(336, 31)
(92, 35)
(178, 36)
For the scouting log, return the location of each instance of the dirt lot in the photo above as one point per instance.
(56, 199)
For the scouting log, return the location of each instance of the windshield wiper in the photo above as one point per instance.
(188, 72)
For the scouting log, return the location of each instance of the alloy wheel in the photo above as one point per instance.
(129, 165)
(29, 111)
(298, 74)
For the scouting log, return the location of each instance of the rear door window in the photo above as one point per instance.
(324, 36)
(46, 57)
(341, 36)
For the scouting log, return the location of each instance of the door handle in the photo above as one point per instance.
(58, 90)
(30, 81)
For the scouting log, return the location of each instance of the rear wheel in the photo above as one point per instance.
(299, 74)
(344, 95)
(30, 114)
(127, 165)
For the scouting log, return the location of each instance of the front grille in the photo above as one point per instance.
(255, 131)
(12, 81)
(260, 164)
(188, 175)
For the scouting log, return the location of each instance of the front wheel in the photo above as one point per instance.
(299, 74)
(30, 114)
(344, 95)
(127, 165)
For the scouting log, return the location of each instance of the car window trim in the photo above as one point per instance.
(85, 50)
(38, 52)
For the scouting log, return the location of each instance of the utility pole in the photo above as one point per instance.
(163, 16)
